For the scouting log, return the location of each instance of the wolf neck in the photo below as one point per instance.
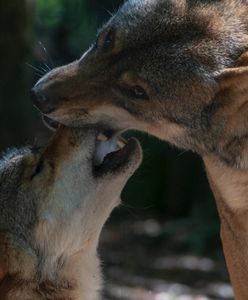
(230, 188)
(77, 278)
(81, 276)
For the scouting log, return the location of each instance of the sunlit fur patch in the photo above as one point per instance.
(229, 184)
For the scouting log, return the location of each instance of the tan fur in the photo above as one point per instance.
(230, 186)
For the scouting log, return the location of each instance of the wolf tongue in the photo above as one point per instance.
(103, 148)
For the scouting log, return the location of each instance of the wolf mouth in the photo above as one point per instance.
(112, 152)
(50, 123)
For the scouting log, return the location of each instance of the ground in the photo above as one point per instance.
(137, 267)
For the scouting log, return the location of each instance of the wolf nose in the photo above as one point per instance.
(41, 101)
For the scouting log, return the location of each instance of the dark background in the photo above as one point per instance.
(164, 238)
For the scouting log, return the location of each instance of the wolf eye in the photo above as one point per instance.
(139, 93)
(38, 169)
(109, 39)
(135, 92)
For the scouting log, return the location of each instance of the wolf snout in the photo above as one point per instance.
(41, 100)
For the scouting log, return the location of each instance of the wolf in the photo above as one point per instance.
(167, 67)
(178, 70)
(54, 202)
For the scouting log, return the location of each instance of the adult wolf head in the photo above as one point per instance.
(168, 67)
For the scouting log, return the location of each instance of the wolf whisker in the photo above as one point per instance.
(109, 12)
(48, 68)
(44, 70)
(38, 72)
(47, 54)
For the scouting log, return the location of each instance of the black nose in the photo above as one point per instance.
(42, 101)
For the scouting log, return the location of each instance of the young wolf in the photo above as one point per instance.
(53, 204)
(177, 69)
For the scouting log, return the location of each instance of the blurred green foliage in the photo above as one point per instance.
(170, 185)
(67, 20)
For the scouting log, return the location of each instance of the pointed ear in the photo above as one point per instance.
(233, 82)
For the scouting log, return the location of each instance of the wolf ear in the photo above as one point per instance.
(233, 82)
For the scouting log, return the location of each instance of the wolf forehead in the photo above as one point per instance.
(14, 157)
(15, 203)
(213, 31)
(14, 164)
(12, 167)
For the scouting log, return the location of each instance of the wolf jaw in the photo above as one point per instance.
(108, 144)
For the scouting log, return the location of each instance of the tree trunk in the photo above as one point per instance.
(15, 105)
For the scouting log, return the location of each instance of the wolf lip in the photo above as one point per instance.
(116, 160)
(105, 145)
(50, 124)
